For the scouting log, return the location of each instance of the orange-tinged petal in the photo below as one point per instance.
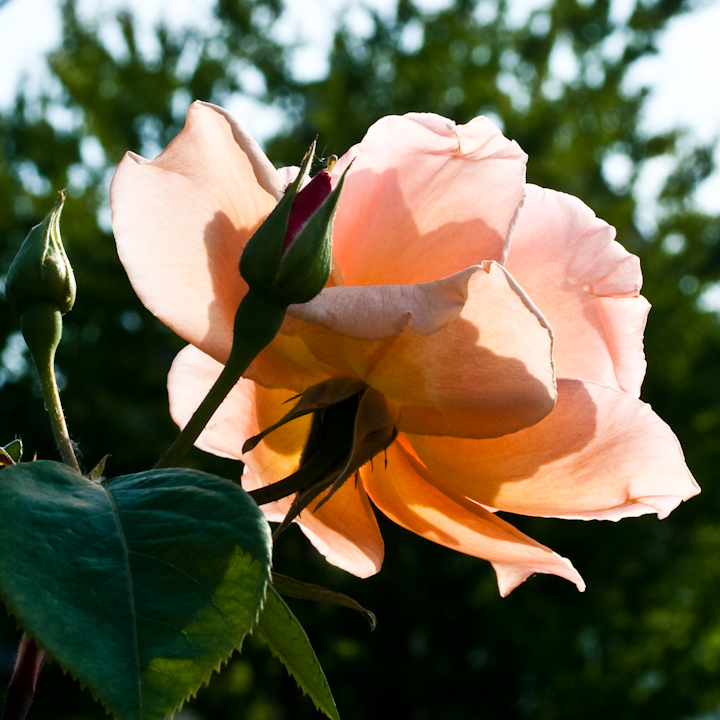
(288, 363)
(600, 454)
(405, 492)
(586, 285)
(248, 409)
(344, 529)
(485, 373)
(181, 222)
(425, 198)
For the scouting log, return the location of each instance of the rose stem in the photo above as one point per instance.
(21, 688)
(257, 321)
(41, 326)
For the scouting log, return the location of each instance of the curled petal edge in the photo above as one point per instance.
(265, 172)
(378, 312)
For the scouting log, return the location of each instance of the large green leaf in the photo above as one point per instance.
(141, 586)
(284, 635)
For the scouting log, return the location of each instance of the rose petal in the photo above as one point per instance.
(486, 373)
(181, 222)
(587, 286)
(623, 321)
(288, 174)
(403, 491)
(344, 529)
(600, 454)
(377, 312)
(287, 363)
(267, 176)
(425, 198)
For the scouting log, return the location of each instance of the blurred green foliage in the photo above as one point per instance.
(644, 640)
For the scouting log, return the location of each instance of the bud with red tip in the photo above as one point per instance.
(290, 256)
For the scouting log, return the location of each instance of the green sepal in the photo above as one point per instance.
(317, 397)
(294, 588)
(140, 586)
(41, 271)
(13, 450)
(374, 432)
(96, 474)
(327, 447)
(285, 636)
(343, 437)
(306, 264)
(260, 259)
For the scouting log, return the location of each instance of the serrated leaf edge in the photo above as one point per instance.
(17, 616)
(292, 674)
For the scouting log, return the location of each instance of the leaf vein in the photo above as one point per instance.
(184, 574)
(126, 552)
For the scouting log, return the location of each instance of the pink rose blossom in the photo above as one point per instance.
(500, 321)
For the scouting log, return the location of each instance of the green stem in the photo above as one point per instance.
(41, 326)
(257, 321)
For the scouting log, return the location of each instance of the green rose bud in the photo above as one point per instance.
(41, 272)
(290, 255)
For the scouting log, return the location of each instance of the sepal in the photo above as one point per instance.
(294, 588)
(260, 259)
(11, 453)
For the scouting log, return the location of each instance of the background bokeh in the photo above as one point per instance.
(644, 640)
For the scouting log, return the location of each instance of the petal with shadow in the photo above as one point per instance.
(426, 198)
(344, 529)
(600, 454)
(478, 369)
(405, 492)
(181, 222)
